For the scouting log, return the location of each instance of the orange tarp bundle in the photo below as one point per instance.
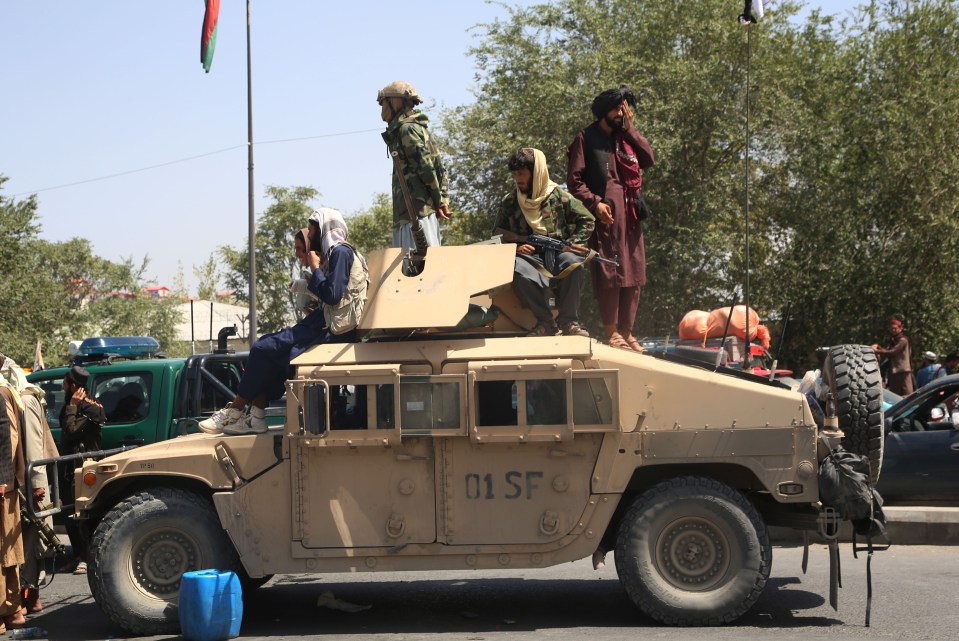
(698, 324)
(694, 324)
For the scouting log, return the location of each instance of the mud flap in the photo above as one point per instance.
(835, 580)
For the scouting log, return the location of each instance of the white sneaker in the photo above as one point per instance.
(258, 419)
(254, 423)
(220, 420)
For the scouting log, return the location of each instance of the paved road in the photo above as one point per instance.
(914, 598)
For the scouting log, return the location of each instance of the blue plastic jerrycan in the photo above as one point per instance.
(211, 605)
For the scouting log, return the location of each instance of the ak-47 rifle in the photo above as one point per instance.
(417, 256)
(552, 247)
(49, 537)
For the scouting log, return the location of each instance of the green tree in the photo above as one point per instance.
(853, 162)
(31, 299)
(865, 201)
(276, 266)
(60, 291)
(372, 229)
(538, 73)
(207, 277)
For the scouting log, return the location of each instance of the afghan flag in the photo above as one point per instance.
(208, 37)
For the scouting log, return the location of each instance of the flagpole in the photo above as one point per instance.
(249, 140)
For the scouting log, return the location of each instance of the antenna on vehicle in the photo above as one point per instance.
(748, 18)
(729, 318)
(782, 340)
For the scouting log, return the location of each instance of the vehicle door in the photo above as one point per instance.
(358, 479)
(921, 458)
(522, 473)
(128, 402)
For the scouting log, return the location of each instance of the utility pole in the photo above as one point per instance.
(249, 141)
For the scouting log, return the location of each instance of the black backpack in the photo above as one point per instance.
(844, 486)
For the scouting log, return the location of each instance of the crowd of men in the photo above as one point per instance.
(602, 208)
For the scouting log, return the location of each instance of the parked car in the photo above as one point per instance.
(921, 459)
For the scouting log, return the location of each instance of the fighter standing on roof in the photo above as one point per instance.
(418, 160)
(606, 160)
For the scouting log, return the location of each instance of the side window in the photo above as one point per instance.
(592, 401)
(53, 391)
(546, 402)
(429, 404)
(228, 373)
(345, 410)
(523, 401)
(125, 398)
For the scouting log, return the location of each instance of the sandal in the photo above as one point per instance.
(634, 345)
(616, 340)
(542, 329)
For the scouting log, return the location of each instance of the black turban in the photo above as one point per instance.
(78, 375)
(606, 101)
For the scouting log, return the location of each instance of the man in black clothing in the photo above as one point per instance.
(80, 421)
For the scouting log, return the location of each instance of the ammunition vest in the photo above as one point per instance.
(346, 314)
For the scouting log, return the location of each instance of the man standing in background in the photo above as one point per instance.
(899, 356)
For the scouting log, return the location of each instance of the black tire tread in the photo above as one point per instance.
(102, 539)
(667, 491)
(852, 373)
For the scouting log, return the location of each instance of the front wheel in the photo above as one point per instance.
(141, 549)
(693, 551)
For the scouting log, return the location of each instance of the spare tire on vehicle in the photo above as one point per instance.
(851, 373)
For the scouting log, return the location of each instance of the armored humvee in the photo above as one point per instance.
(432, 445)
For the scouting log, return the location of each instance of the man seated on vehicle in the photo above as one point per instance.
(340, 278)
(539, 206)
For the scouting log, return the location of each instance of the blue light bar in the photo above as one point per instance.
(119, 345)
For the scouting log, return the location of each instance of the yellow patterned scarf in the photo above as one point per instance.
(542, 188)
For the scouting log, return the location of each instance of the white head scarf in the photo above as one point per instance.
(14, 375)
(333, 231)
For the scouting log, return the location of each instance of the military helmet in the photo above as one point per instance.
(399, 89)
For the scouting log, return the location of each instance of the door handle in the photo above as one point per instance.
(954, 447)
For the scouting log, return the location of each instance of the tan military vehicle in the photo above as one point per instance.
(432, 445)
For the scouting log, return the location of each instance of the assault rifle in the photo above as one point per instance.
(418, 256)
(47, 535)
(552, 247)
(556, 245)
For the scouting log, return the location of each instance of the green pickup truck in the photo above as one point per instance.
(148, 398)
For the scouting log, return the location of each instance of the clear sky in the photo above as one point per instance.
(96, 89)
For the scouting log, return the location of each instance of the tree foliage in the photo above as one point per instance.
(61, 291)
(853, 161)
(276, 266)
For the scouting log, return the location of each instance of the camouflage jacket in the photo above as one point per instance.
(564, 216)
(425, 175)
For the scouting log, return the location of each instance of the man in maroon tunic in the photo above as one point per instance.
(899, 355)
(606, 160)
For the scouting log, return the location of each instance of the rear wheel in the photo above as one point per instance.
(693, 551)
(852, 375)
(141, 549)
